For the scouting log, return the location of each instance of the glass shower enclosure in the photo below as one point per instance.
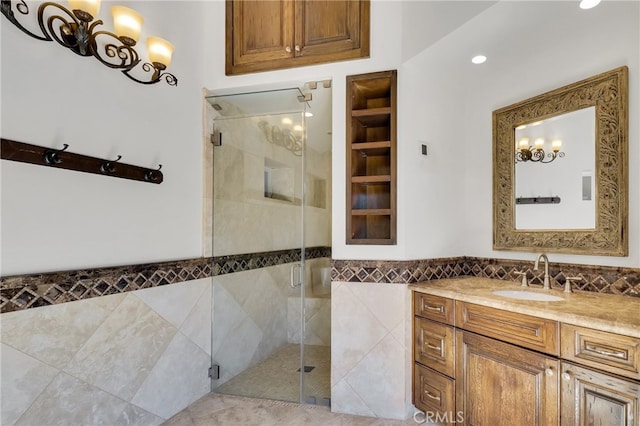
(262, 197)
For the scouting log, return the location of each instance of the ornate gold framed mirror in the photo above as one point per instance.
(599, 184)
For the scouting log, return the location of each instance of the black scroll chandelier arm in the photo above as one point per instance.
(157, 76)
(5, 8)
(127, 56)
(69, 32)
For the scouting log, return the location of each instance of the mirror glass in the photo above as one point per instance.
(560, 163)
(554, 180)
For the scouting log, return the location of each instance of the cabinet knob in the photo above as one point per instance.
(548, 372)
(287, 49)
(566, 376)
(297, 47)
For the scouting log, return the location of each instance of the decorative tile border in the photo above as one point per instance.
(601, 279)
(31, 291)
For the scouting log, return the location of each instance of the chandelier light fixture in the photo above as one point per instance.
(536, 153)
(76, 29)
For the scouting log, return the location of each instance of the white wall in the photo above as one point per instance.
(533, 47)
(60, 219)
(55, 219)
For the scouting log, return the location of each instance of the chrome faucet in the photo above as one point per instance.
(547, 285)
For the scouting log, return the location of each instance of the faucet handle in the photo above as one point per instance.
(567, 283)
(524, 278)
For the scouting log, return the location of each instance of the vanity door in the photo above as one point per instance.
(500, 384)
(593, 398)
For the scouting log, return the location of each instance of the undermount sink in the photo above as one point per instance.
(528, 295)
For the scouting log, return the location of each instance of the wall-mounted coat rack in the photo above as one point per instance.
(538, 200)
(62, 159)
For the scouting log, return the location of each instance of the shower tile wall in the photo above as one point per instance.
(243, 219)
(252, 317)
(131, 358)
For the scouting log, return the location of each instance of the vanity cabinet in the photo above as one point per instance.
(274, 34)
(492, 366)
(371, 158)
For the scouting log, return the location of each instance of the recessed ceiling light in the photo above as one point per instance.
(308, 114)
(287, 121)
(478, 59)
(588, 4)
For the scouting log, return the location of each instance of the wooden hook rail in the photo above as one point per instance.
(62, 159)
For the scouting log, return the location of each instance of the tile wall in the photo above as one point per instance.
(370, 349)
(129, 358)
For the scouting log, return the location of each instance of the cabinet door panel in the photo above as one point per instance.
(500, 384)
(593, 398)
(262, 30)
(327, 26)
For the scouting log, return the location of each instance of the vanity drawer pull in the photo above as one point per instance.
(428, 395)
(598, 350)
(433, 308)
(435, 348)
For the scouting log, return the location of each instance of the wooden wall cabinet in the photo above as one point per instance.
(371, 158)
(274, 34)
(506, 368)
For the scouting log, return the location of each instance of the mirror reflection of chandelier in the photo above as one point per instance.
(286, 138)
(536, 153)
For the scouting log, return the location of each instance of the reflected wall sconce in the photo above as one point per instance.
(536, 153)
(283, 137)
(75, 29)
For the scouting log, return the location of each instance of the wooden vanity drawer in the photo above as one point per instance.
(601, 350)
(434, 345)
(523, 330)
(433, 392)
(433, 307)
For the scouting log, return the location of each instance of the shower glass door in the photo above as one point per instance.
(258, 244)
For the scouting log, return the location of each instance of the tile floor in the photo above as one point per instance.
(227, 410)
(278, 376)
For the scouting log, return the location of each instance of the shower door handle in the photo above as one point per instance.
(293, 282)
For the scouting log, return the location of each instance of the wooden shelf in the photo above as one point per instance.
(383, 111)
(370, 179)
(371, 212)
(371, 158)
(371, 145)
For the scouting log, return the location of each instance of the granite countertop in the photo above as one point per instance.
(605, 312)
